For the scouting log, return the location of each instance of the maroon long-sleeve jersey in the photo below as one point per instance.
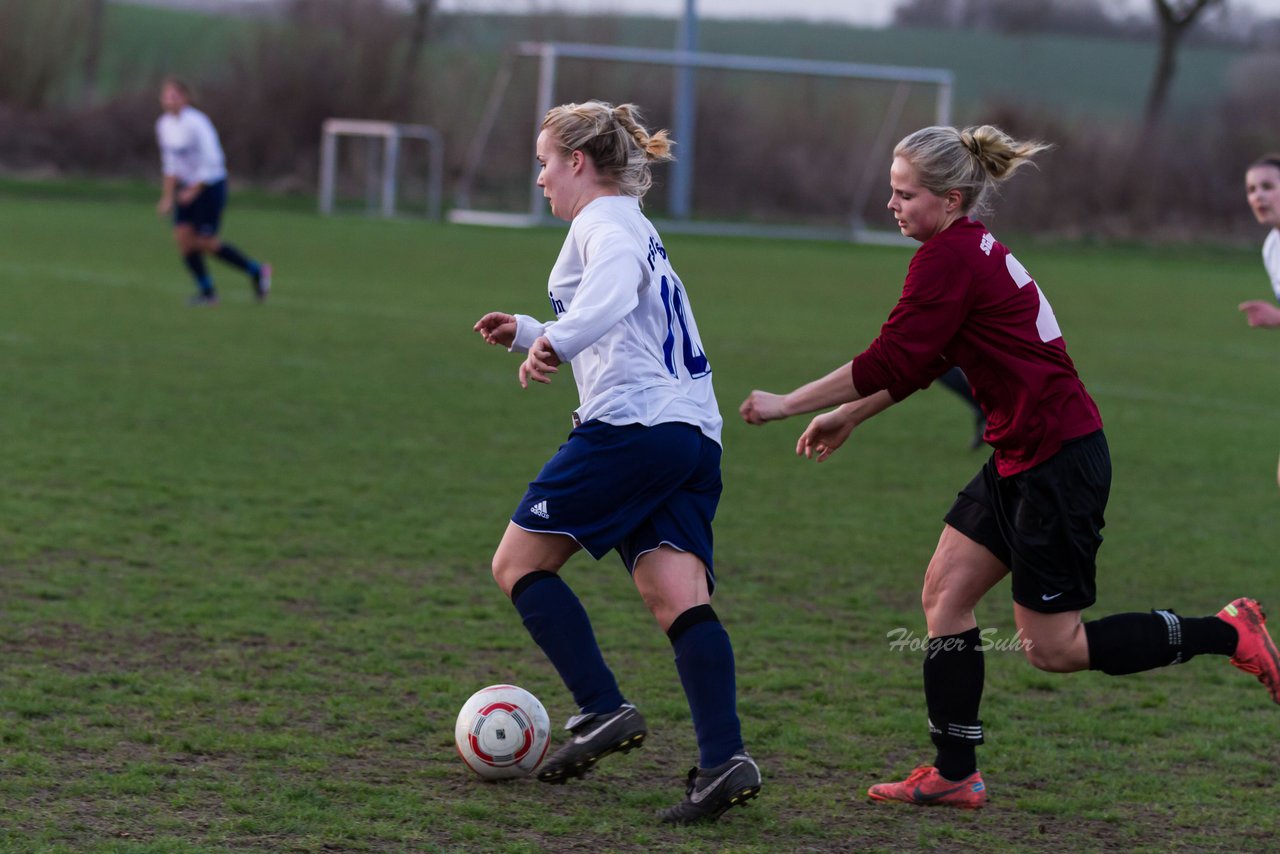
(968, 302)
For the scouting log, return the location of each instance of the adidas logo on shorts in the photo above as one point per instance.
(540, 509)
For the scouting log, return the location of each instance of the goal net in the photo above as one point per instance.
(781, 147)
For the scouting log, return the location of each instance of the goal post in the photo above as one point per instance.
(382, 174)
(549, 57)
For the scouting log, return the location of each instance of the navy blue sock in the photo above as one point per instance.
(704, 660)
(559, 625)
(236, 258)
(195, 263)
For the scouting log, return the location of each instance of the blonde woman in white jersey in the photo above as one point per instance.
(639, 473)
(195, 192)
(1262, 189)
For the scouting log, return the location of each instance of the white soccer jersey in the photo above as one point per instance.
(624, 322)
(1271, 259)
(189, 147)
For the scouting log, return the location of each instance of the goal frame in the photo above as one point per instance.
(549, 54)
(382, 186)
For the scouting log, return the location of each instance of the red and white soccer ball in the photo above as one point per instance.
(502, 732)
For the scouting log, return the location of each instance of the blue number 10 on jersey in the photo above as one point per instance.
(695, 359)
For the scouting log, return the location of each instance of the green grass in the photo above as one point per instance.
(244, 551)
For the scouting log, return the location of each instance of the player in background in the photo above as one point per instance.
(195, 190)
(1262, 190)
(640, 471)
(1035, 510)
(955, 380)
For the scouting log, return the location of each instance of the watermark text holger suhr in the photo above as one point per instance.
(906, 640)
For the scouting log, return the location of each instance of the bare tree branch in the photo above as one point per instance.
(1175, 18)
(93, 50)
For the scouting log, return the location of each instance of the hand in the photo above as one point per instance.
(1260, 313)
(164, 206)
(825, 434)
(187, 195)
(540, 362)
(761, 406)
(497, 327)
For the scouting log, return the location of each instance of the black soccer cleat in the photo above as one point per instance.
(711, 791)
(594, 736)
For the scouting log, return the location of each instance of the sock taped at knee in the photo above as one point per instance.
(690, 618)
(527, 581)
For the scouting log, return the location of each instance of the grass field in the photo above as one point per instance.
(244, 552)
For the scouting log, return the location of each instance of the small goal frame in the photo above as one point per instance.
(381, 184)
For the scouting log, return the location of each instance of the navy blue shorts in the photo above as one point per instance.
(631, 488)
(204, 214)
(1045, 523)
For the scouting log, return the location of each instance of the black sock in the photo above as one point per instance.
(954, 671)
(236, 258)
(1131, 643)
(1208, 636)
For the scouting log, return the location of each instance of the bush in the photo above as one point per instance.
(766, 149)
(40, 41)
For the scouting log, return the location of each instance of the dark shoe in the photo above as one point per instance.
(262, 282)
(711, 791)
(594, 736)
(203, 300)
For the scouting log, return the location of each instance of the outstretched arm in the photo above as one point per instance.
(165, 205)
(827, 432)
(833, 389)
(497, 327)
(1260, 313)
(500, 328)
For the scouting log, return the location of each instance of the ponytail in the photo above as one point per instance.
(615, 140)
(974, 160)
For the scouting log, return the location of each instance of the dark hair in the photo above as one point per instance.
(182, 86)
(1266, 160)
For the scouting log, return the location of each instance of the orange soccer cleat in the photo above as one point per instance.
(927, 788)
(1255, 651)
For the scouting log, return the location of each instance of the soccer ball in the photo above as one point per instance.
(502, 732)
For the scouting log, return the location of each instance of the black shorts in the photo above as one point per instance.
(1045, 523)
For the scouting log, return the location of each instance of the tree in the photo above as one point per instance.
(93, 50)
(419, 35)
(1175, 18)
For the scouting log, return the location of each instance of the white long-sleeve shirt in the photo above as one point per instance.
(1271, 259)
(189, 147)
(624, 322)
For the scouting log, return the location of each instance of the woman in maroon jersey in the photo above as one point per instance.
(1035, 510)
